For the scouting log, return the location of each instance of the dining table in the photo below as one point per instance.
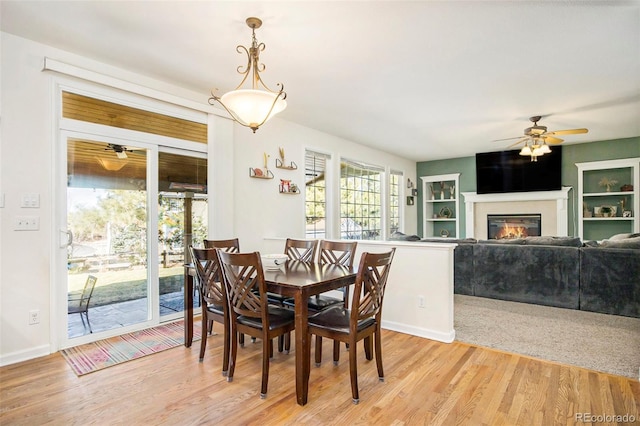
(299, 280)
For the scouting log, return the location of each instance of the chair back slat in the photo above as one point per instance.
(337, 252)
(209, 276)
(207, 268)
(244, 283)
(231, 245)
(304, 250)
(370, 285)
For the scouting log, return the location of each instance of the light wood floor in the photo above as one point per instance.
(426, 383)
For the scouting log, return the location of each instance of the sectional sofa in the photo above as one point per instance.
(562, 272)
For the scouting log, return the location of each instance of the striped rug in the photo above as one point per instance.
(105, 353)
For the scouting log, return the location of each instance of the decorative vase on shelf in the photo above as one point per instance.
(442, 195)
(607, 183)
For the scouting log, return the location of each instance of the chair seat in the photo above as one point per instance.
(336, 318)
(276, 299)
(277, 318)
(75, 310)
(317, 303)
(216, 309)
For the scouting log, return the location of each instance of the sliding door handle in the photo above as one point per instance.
(66, 238)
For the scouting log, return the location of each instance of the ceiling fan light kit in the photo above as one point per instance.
(112, 165)
(536, 139)
(254, 106)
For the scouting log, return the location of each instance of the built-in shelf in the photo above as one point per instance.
(592, 179)
(440, 192)
(606, 194)
(607, 218)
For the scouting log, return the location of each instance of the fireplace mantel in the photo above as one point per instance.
(560, 197)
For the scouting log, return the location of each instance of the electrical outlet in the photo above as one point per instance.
(34, 316)
(27, 223)
(420, 301)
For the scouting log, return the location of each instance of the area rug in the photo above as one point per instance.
(105, 353)
(606, 343)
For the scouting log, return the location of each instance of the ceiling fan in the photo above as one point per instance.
(537, 139)
(120, 150)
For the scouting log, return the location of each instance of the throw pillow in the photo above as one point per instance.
(629, 243)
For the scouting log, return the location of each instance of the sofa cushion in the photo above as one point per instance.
(506, 241)
(610, 281)
(450, 240)
(553, 241)
(541, 275)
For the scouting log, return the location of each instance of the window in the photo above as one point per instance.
(360, 201)
(395, 179)
(315, 166)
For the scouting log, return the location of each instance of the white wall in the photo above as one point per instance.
(420, 271)
(27, 138)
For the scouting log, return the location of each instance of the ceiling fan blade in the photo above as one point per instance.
(567, 132)
(518, 142)
(506, 139)
(552, 140)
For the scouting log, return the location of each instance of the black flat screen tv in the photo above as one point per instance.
(508, 171)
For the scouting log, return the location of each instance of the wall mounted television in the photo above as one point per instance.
(508, 171)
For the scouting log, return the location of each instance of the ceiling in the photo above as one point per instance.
(423, 80)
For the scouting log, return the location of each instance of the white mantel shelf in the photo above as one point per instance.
(560, 197)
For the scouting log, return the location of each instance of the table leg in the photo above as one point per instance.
(188, 307)
(302, 350)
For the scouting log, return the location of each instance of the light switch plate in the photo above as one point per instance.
(30, 200)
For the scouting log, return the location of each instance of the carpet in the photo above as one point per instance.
(600, 342)
(105, 353)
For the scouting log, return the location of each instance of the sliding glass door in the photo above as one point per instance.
(182, 221)
(107, 217)
(131, 211)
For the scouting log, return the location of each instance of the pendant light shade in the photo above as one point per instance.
(252, 108)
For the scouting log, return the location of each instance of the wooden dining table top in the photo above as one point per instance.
(297, 275)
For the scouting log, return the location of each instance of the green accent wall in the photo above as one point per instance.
(571, 154)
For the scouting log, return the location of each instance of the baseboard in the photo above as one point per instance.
(25, 355)
(420, 332)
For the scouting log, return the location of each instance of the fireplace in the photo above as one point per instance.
(508, 226)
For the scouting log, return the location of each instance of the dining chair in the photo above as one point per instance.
(80, 305)
(250, 311)
(231, 245)
(335, 253)
(213, 298)
(332, 253)
(362, 321)
(303, 250)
